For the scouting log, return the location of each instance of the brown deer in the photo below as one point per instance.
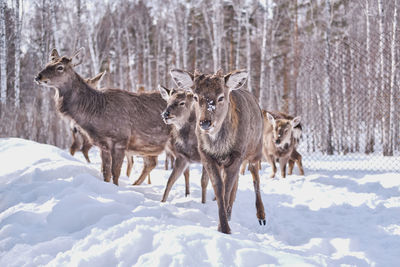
(229, 127)
(281, 136)
(181, 114)
(295, 156)
(117, 121)
(80, 141)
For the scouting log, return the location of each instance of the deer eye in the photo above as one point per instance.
(220, 99)
(60, 68)
(182, 103)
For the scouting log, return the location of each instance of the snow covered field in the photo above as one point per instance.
(55, 210)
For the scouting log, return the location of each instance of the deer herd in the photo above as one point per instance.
(207, 119)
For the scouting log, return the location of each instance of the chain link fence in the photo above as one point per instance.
(350, 104)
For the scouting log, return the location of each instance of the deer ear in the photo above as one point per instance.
(164, 92)
(96, 79)
(78, 56)
(271, 119)
(182, 78)
(296, 121)
(54, 55)
(236, 79)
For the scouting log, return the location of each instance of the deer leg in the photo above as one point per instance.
(166, 162)
(231, 176)
(187, 185)
(85, 149)
(253, 167)
(106, 165)
(150, 163)
(219, 190)
(76, 144)
(282, 165)
(298, 159)
(129, 166)
(291, 165)
(148, 179)
(172, 160)
(233, 196)
(180, 165)
(243, 167)
(204, 183)
(271, 161)
(118, 154)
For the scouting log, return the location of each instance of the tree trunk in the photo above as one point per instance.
(263, 91)
(391, 137)
(248, 52)
(327, 85)
(3, 52)
(372, 91)
(17, 53)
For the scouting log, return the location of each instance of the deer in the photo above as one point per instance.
(229, 125)
(295, 156)
(181, 115)
(80, 140)
(117, 121)
(281, 136)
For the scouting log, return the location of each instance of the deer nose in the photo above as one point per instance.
(165, 114)
(205, 124)
(38, 77)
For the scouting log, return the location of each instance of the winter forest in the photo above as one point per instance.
(333, 62)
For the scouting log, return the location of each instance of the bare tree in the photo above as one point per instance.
(3, 52)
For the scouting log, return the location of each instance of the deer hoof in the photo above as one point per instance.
(262, 222)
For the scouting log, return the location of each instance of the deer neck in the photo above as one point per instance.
(77, 100)
(221, 143)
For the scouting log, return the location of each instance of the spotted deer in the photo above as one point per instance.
(281, 136)
(229, 127)
(181, 114)
(117, 121)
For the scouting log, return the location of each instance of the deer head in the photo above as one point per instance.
(211, 95)
(59, 69)
(283, 130)
(179, 105)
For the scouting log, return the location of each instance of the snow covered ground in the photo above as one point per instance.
(55, 210)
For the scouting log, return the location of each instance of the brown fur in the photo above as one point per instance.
(117, 121)
(223, 143)
(181, 114)
(282, 131)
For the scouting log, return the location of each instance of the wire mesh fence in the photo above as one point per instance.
(350, 105)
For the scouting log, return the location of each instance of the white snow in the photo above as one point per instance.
(57, 211)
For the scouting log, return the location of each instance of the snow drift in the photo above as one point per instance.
(56, 210)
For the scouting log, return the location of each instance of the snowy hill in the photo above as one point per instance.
(55, 210)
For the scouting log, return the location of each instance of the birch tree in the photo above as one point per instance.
(3, 52)
(263, 90)
(392, 102)
(327, 84)
(17, 39)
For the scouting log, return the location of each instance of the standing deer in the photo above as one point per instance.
(295, 156)
(229, 127)
(117, 121)
(80, 140)
(281, 137)
(181, 114)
